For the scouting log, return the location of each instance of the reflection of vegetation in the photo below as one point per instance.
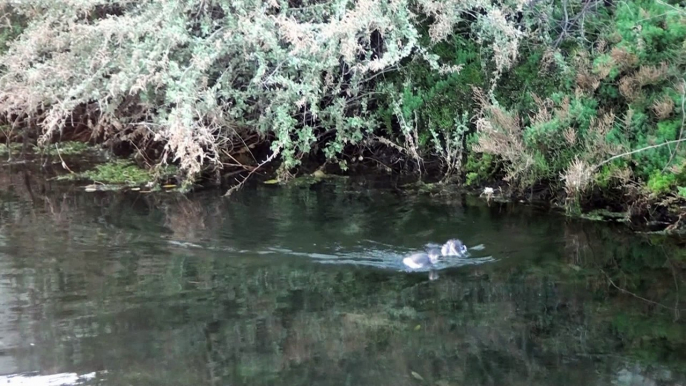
(544, 314)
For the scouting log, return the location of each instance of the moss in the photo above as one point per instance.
(123, 172)
(68, 148)
(13, 148)
(605, 215)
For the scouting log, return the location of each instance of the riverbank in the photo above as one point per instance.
(578, 105)
(94, 169)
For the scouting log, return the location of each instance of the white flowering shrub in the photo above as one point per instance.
(199, 75)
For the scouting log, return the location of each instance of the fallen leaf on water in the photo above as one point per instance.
(416, 376)
(417, 327)
(169, 186)
(271, 182)
(319, 174)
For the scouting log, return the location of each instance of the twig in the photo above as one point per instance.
(637, 296)
(238, 164)
(64, 164)
(238, 186)
(393, 145)
(671, 6)
(677, 315)
(683, 121)
(637, 151)
(382, 164)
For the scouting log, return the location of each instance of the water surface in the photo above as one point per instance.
(303, 285)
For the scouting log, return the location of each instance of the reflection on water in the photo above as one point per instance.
(305, 285)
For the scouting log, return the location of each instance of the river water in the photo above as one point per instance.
(303, 285)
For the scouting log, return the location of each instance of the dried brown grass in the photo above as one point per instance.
(630, 85)
(577, 177)
(570, 135)
(630, 88)
(501, 135)
(597, 146)
(587, 82)
(623, 58)
(663, 107)
(647, 75)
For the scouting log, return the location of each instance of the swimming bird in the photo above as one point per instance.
(453, 247)
(423, 260)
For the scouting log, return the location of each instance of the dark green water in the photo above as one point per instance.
(303, 286)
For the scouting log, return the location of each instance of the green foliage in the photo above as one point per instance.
(661, 183)
(478, 168)
(433, 98)
(12, 26)
(655, 31)
(529, 77)
(622, 94)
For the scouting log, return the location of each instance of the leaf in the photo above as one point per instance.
(271, 182)
(169, 186)
(417, 327)
(416, 376)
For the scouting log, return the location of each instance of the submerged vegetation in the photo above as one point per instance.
(120, 173)
(579, 101)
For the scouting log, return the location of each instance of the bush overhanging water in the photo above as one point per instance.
(537, 93)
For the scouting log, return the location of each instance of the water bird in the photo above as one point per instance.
(453, 247)
(423, 260)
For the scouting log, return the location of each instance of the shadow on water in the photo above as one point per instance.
(304, 285)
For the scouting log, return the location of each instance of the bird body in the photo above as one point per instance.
(422, 260)
(428, 259)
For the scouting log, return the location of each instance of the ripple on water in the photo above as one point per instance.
(382, 257)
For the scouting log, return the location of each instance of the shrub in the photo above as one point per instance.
(622, 94)
(201, 75)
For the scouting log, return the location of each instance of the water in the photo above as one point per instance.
(304, 286)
